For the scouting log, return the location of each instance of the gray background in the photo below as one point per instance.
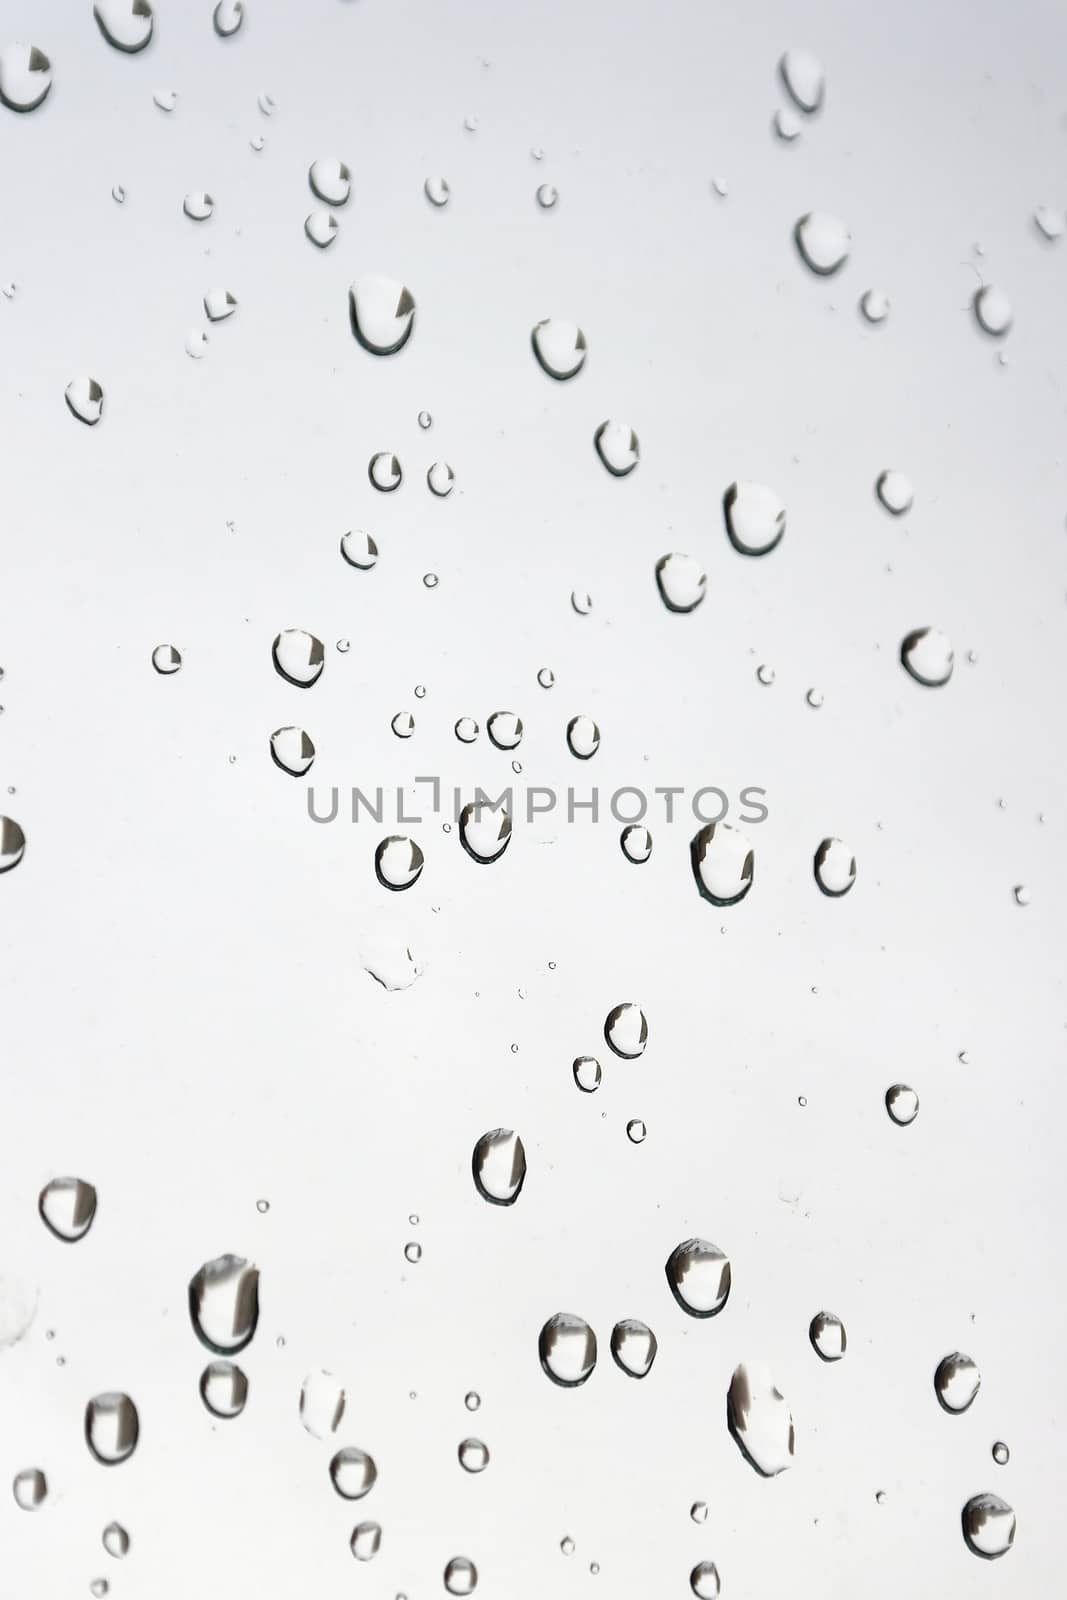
(186, 1021)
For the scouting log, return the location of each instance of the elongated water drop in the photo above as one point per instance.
(804, 78)
(382, 314)
(723, 863)
(398, 862)
(385, 472)
(12, 843)
(902, 1103)
(626, 1030)
(437, 191)
(956, 1383)
(827, 1335)
(835, 868)
(823, 241)
(224, 1303)
(567, 1349)
(116, 1540)
(484, 831)
(30, 1488)
(85, 399)
(359, 549)
(461, 1576)
(499, 1166)
(618, 448)
(704, 1581)
(759, 1418)
(227, 18)
(321, 228)
(635, 842)
(988, 1526)
(322, 1404)
(111, 1428)
(993, 310)
(365, 1541)
(583, 738)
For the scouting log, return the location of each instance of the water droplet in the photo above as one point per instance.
(787, 125)
(835, 868)
(895, 492)
(198, 206)
(403, 724)
(99, 1588)
(759, 1418)
(382, 314)
(25, 76)
(636, 1131)
(322, 1404)
(85, 398)
(466, 730)
(461, 1576)
(755, 518)
(359, 549)
(440, 479)
(126, 24)
(165, 99)
(633, 1346)
(219, 304)
(823, 241)
(587, 1073)
(223, 1389)
(196, 342)
(298, 657)
(902, 1103)
(398, 862)
(559, 347)
(111, 1428)
(814, 697)
(505, 729)
(224, 1304)
(472, 1400)
(1001, 1453)
(425, 420)
(262, 1206)
(626, 1030)
(765, 675)
(330, 180)
(567, 1348)
(566, 1544)
(618, 448)
(413, 1253)
(804, 79)
(167, 659)
(30, 1488)
(366, 1540)
(927, 656)
(547, 195)
(353, 1473)
(1051, 223)
(1021, 894)
(988, 1526)
(385, 471)
(720, 188)
(470, 122)
(321, 227)
(227, 18)
(581, 602)
(704, 1580)
(430, 580)
(67, 1205)
(546, 677)
(699, 1277)
(9, 290)
(116, 1540)
(484, 831)
(292, 750)
(437, 191)
(266, 103)
(499, 1166)
(118, 194)
(473, 1455)
(699, 1511)
(681, 581)
(723, 863)
(956, 1382)
(583, 737)
(594, 1567)
(827, 1335)
(636, 843)
(12, 842)
(875, 305)
(992, 310)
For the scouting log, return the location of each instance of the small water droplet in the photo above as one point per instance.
(835, 868)
(560, 348)
(266, 103)
(723, 863)
(587, 1073)
(228, 17)
(413, 1252)
(385, 471)
(804, 78)
(403, 724)
(298, 657)
(633, 1346)
(425, 420)
(466, 730)
(437, 191)
(353, 1473)
(167, 659)
(875, 305)
(787, 125)
(198, 206)
(1051, 223)
(636, 1131)
(382, 313)
(219, 304)
(682, 582)
(823, 241)
(927, 656)
(699, 1511)
(1021, 894)
(9, 290)
(118, 194)
(484, 831)
(902, 1103)
(126, 24)
(499, 1166)
(827, 1331)
(546, 677)
(440, 479)
(895, 492)
(594, 1567)
(704, 1580)
(321, 227)
(461, 1576)
(99, 1588)
(196, 342)
(956, 1383)
(292, 750)
(473, 1455)
(618, 448)
(814, 697)
(224, 1303)
(30, 1488)
(992, 310)
(635, 842)
(330, 181)
(398, 862)
(583, 738)
(988, 1526)
(699, 1277)
(470, 122)
(626, 1030)
(472, 1400)
(67, 1206)
(85, 398)
(165, 99)
(12, 841)
(581, 602)
(25, 76)
(366, 1540)
(359, 549)
(505, 729)
(566, 1544)
(1001, 1453)
(116, 1540)
(547, 195)
(755, 518)
(111, 1428)
(765, 674)
(223, 1389)
(430, 580)
(760, 1421)
(322, 1404)
(567, 1349)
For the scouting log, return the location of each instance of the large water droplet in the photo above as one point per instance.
(25, 76)
(12, 843)
(682, 582)
(223, 1389)
(902, 1103)
(292, 750)
(505, 729)
(166, 659)
(126, 24)
(198, 206)
(992, 310)
(587, 1073)
(755, 518)
(298, 657)
(330, 180)
(398, 862)
(823, 241)
(759, 1418)
(835, 868)
(988, 1526)
(224, 1303)
(385, 471)
(353, 1473)
(440, 479)
(473, 1455)
(635, 842)
(359, 549)
(111, 1428)
(626, 1030)
(366, 1540)
(567, 1348)
(699, 1277)
(85, 398)
(227, 18)
(804, 78)
(499, 1166)
(633, 1345)
(723, 863)
(827, 1335)
(219, 304)
(928, 657)
(559, 347)
(116, 1540)
(437, 191)
(382, 313)
(484, 831)
(956, 1382)
(895, 492)
(704, 1580)
(30, 1489)
(321, 227)
(322, 1404)
(461, 1576)
(67, 1207)
(583, 737)
(618, 448)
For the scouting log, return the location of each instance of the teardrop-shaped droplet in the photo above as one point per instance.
(823, 241)
(473, 1455)
(988, 1526)
(559, 347)
(835, 868)
(787, 125)
(956, 1382)
(440, 479)
(353, 1473)
(461, 1576)
(198, 206)
(223, 1389)
(196, 343)
(759, 1418)
(827, 1335)
(292, 750)
(227, 18)
(499, 1166)
(704, 1581)
(567, 1348)
(322, 1404)
(699, 1277)
(25, 76)
(633, 1345)
(895, 492)
(682, 582)
(298, 657)
(626, 1030)
(587, 1074)
(902, 1103)
(484, 831)
(67, 1207)
(126, 24)
(437, 191)
(928, 657)
(116, 1540)
(1001, 1453)
(874, 303)
(385, 471)
(30, 1489)
(755, 518)
(359, 549)
(165, 99)
(723, 863)
(12, 843)
(398, 862)
(583, 737)
(330, 180)
(85, 398)
(321, 227)
(366, 1540)
(111, 1428)
(505, 730)
(382, 313)
(635, 842)
(618, 448)
(166, 659)
(224, 1304)
(993, 310)
(219, 304)
(804, 78)
(636, 1131)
